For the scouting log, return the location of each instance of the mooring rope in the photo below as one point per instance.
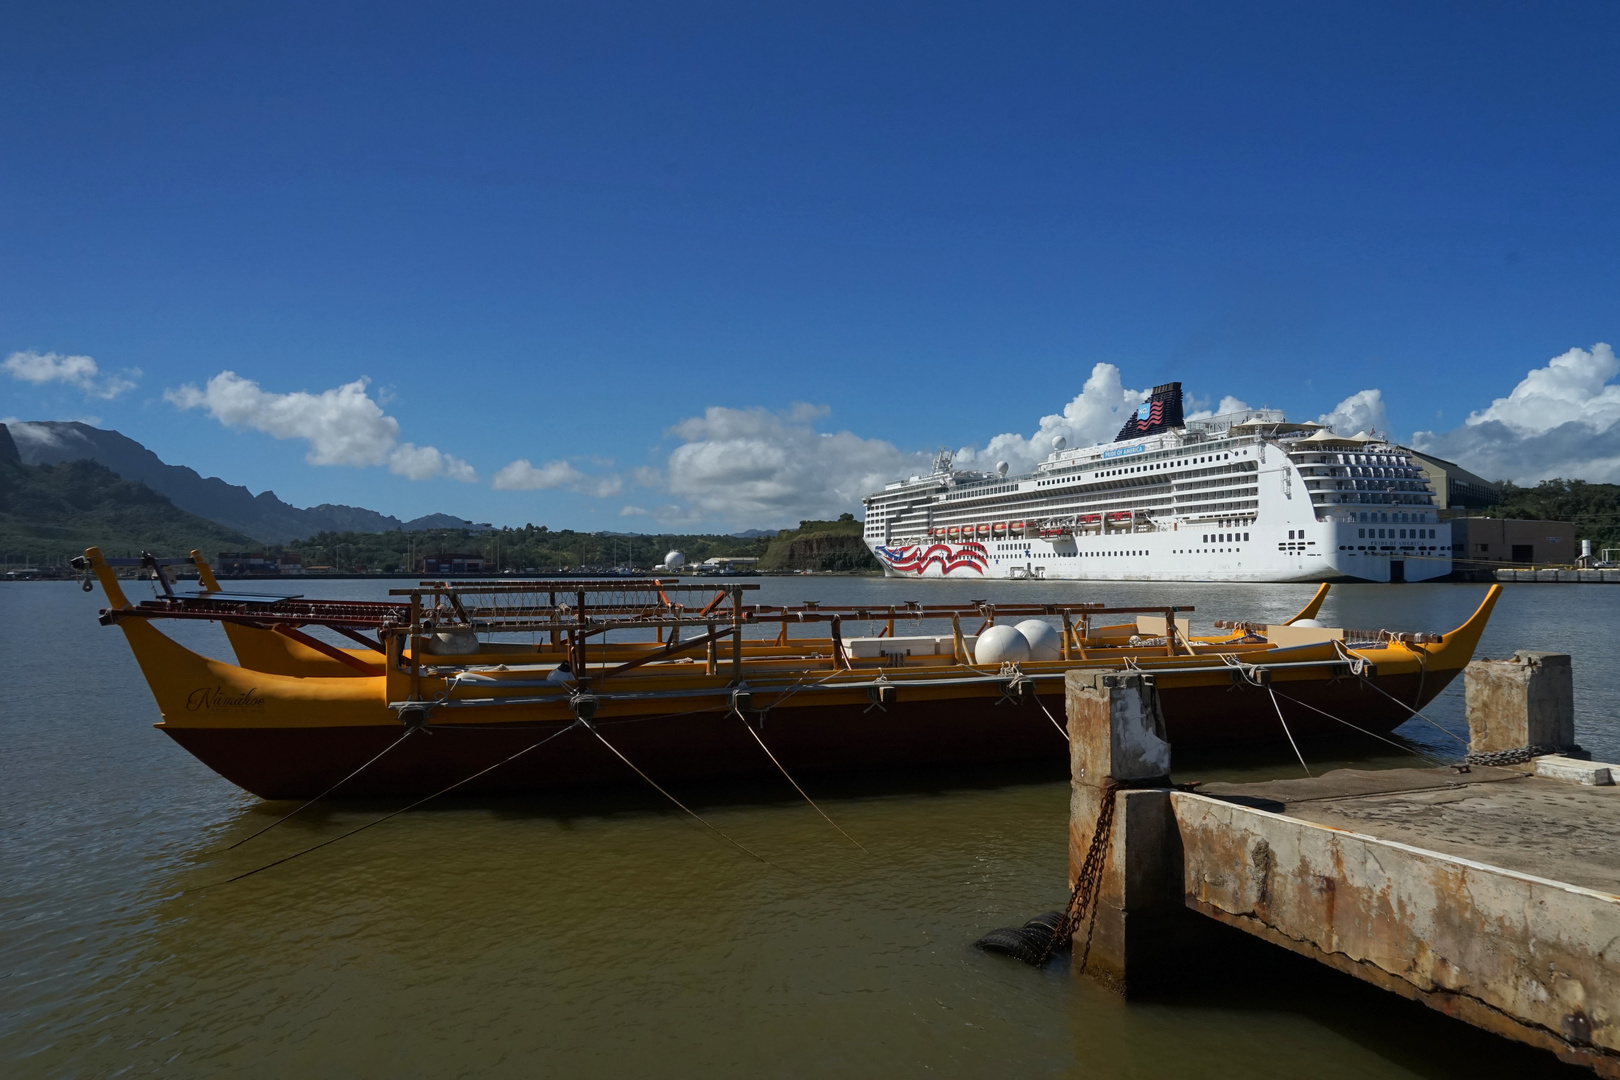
(1399, 746)
(677, 802)
(408, 733)
(1368, 682)
(792, 781)
(799, 685)
(401, 810)
(1286, 732)
(1052, 718)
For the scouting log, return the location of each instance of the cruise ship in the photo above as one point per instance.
(1243, 496)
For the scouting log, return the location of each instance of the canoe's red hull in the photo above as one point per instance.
(300, 763)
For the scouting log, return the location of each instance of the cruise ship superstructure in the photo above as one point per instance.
(1244, 496)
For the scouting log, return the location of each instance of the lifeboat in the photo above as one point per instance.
(1090, 519)
(953, 532)
(984, 530)
(998, 529)
(1016, 528)
(1056, 532)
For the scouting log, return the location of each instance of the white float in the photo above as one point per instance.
(1045, 643)
(1000, 644)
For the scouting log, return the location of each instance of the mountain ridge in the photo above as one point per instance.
(264, 517)
(50, 512)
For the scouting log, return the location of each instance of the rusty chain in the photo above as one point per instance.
(1519, 755)
(1083, 900)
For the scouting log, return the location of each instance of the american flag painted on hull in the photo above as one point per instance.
(917, 558)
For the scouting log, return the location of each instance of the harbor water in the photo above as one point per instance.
(606, 934)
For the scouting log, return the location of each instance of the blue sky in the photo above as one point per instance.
(636, 266)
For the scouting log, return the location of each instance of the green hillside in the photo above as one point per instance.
(1594, 508)
(532, 547)
(49, 513)
(820, 545)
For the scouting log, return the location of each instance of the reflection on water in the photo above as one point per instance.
(605, 934)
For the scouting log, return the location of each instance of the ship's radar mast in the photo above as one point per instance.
(943, 460)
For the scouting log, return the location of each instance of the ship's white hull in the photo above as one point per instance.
(1174, 555)
(1239, 497)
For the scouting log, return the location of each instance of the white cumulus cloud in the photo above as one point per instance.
(1361, 411)
(78, 371)
(522, 475)
(1561, 420)
(1229, 404)
(343, 425)
(1572, 388)
(424, 462)
(1095, 415)
(759, 467)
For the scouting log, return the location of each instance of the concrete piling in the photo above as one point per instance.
(1491, 895)
(1117, 750)
(1527, 701)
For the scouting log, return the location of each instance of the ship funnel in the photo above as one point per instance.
(1160, 412)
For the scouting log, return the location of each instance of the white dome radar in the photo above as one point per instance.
(1059, 442)
(1001, 468)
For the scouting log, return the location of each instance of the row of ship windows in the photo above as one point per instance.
(905, 522)
(1378, 534)
(1088, 501)
(1355, 459)
(1140, 468)
(1353, 548)
(976, 494)
(1076, 554)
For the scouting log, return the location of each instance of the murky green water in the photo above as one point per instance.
(606, 935)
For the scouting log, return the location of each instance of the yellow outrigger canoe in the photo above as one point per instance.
(435, 694)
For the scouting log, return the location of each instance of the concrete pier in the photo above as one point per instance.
(1492, 895)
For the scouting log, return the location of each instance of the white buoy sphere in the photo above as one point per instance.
(1315, 624)
(674, 561)
(1000, 644)
(1045, 643)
